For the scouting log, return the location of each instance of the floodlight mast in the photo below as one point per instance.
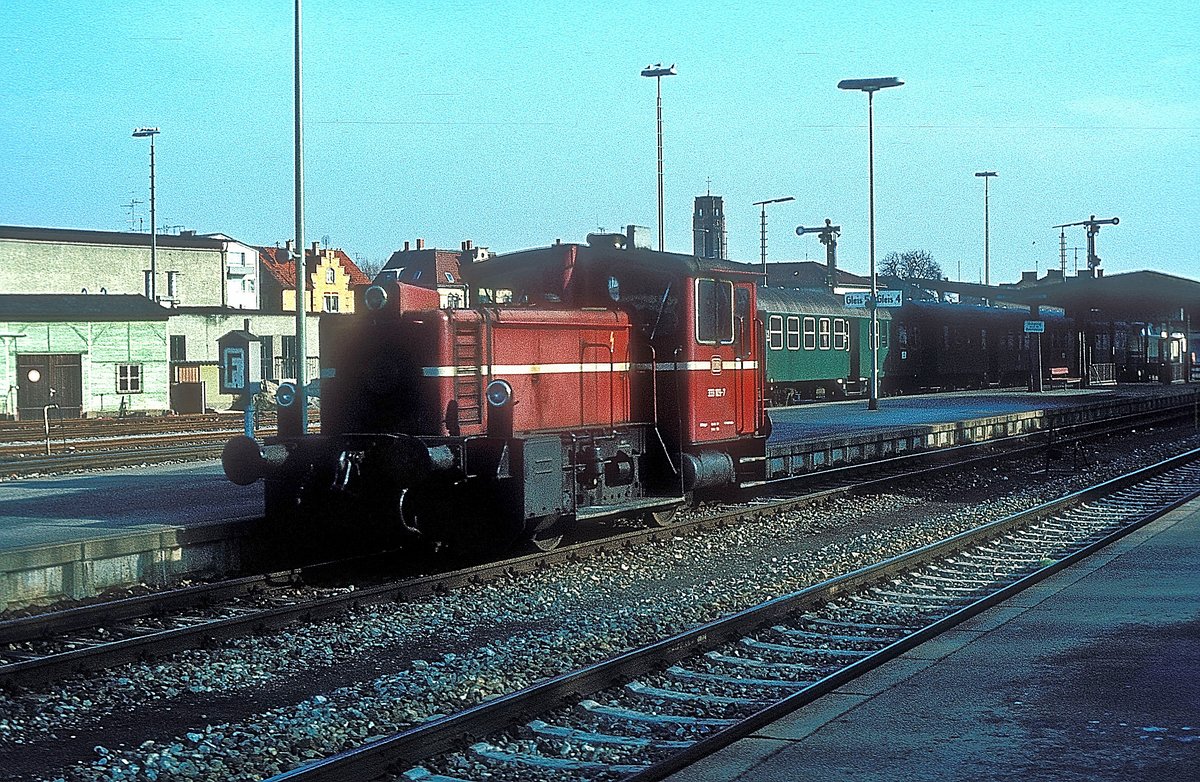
(657, 71)
(153, 293)
(987, 273)
(871, 86)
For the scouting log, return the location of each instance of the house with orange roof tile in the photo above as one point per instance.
(333, 283)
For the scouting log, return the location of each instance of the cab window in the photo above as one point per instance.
(714, 312)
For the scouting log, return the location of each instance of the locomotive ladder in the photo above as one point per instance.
(468, 360)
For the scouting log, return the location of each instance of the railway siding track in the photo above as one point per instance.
(649, 712)
(52, 645)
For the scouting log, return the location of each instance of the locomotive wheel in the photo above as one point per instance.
(545, 533)
(461, 520)
(667, 517)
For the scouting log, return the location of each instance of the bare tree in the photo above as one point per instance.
(918, 264)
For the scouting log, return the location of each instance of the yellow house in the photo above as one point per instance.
(331, 284)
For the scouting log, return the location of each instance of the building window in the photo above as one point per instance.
(146, 280)
(810, 333)
(775, 332)
(793, 333)
(129, 378)
(178, 347)
(841, 334)
(825, 341)
(268, 357)
(416, 275)
(331, 302)
(330, 275)
(449, 277)
(173, 285)
(287, 347)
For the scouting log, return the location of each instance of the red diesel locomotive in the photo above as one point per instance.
(587, 381)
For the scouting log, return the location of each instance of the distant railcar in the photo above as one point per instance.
(943, 346)
(816, 347)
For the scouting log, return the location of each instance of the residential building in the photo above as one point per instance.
(333, 282)
(434, 269)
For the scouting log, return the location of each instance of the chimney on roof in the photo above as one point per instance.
(470, 245)
(1029, 278)
(420, 244)
(406, 247)
(291, 247)
(1099, 272)
(188, 232)
(316, 248)
(1054, 275)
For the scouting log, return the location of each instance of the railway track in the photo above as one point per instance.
(649, 712)
(49, 646)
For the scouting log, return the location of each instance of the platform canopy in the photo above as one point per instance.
(1141, 295)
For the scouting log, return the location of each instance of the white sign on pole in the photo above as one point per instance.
(1035, 326)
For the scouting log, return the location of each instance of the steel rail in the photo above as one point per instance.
(446, 734)
(820, 487)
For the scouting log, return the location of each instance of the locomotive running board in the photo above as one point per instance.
(625, 508)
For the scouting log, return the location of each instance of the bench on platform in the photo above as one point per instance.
(1062, 375)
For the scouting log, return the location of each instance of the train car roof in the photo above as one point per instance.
(499, 267)
(982, 310)
(810, 301)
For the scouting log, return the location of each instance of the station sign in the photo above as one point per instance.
(1035, 326)
(882, 298)
(890, 298)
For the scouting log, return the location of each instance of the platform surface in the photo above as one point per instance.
(792, 424)
(87, 506)
(1094, 674)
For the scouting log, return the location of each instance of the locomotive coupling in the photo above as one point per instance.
(245, 461)
(394, 459)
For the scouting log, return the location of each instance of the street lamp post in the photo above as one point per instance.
(151, 133)
(871, 86)
(763, 204)
(657, 71)
(987, 276)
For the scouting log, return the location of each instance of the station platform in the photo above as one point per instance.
(1090, 675)
(812, 437)
(76, 535)
(79, 534)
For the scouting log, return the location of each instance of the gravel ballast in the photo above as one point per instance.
(261, 705)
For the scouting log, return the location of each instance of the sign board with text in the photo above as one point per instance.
(1035, 326)
(882, 298)
(890, 298)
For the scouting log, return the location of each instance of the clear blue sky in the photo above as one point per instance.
(514, 124)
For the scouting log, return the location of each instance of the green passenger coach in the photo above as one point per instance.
(816, 347)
